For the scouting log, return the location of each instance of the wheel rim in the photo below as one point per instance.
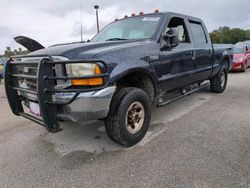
(223, 79)
(135, 117)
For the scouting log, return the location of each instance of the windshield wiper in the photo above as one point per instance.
(113, 39)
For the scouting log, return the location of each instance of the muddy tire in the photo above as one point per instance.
(129, 116)
(219, 81)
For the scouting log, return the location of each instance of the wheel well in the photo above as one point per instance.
(140, 80)
(226, 62)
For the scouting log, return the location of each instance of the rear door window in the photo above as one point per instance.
(198, 32)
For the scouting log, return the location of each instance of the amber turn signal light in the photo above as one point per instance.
(91, 81)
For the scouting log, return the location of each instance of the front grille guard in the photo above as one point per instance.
(46, 87)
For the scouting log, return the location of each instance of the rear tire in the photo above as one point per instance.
(219, 81)
(129, 116)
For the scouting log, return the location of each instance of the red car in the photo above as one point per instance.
(241, 57)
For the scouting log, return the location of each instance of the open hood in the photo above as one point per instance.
(28, 43)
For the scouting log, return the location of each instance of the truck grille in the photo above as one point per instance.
(27, 70)
(31, 70)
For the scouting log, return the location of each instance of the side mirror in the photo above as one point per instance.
(170, 39)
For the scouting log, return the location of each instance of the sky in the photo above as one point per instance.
(53, 21)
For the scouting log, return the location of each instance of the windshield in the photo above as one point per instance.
(142, 27)
(238, 50)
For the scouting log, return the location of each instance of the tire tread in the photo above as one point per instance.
(112, 123)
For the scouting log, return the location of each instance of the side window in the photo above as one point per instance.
(179, 24)
(198, 33)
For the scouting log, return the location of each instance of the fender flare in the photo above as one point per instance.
(124, 69)
(226, 57)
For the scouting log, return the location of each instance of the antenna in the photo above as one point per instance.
(81, 23)
(96, 7)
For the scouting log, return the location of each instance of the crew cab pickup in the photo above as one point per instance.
(132, 64)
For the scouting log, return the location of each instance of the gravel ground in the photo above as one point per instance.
(200, 141)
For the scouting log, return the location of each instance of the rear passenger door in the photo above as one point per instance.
(203, 51)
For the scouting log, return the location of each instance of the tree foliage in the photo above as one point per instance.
(230, 36)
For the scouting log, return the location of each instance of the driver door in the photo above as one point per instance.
(177, 63)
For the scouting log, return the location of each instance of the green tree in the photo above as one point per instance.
(248, 34)
(230, 36)
(8, 52)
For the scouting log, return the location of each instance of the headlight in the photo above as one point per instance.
(85, 70)
(239, 59)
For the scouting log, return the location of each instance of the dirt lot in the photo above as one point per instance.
(200, 141)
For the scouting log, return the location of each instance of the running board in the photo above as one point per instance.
(183, 95)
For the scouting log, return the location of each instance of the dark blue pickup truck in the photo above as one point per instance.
(132, 64)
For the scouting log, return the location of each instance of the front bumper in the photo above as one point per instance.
(87, 106)
(33, 79)
(238, 66)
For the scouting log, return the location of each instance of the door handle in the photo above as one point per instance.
(193, 55)
(210, 53)
(190, 53)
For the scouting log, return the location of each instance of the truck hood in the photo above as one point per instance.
(90, 50)
(28, 43)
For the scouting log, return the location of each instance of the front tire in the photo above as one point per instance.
(129, 116)
(219, 81)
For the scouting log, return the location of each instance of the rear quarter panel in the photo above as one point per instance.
(221, 52)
